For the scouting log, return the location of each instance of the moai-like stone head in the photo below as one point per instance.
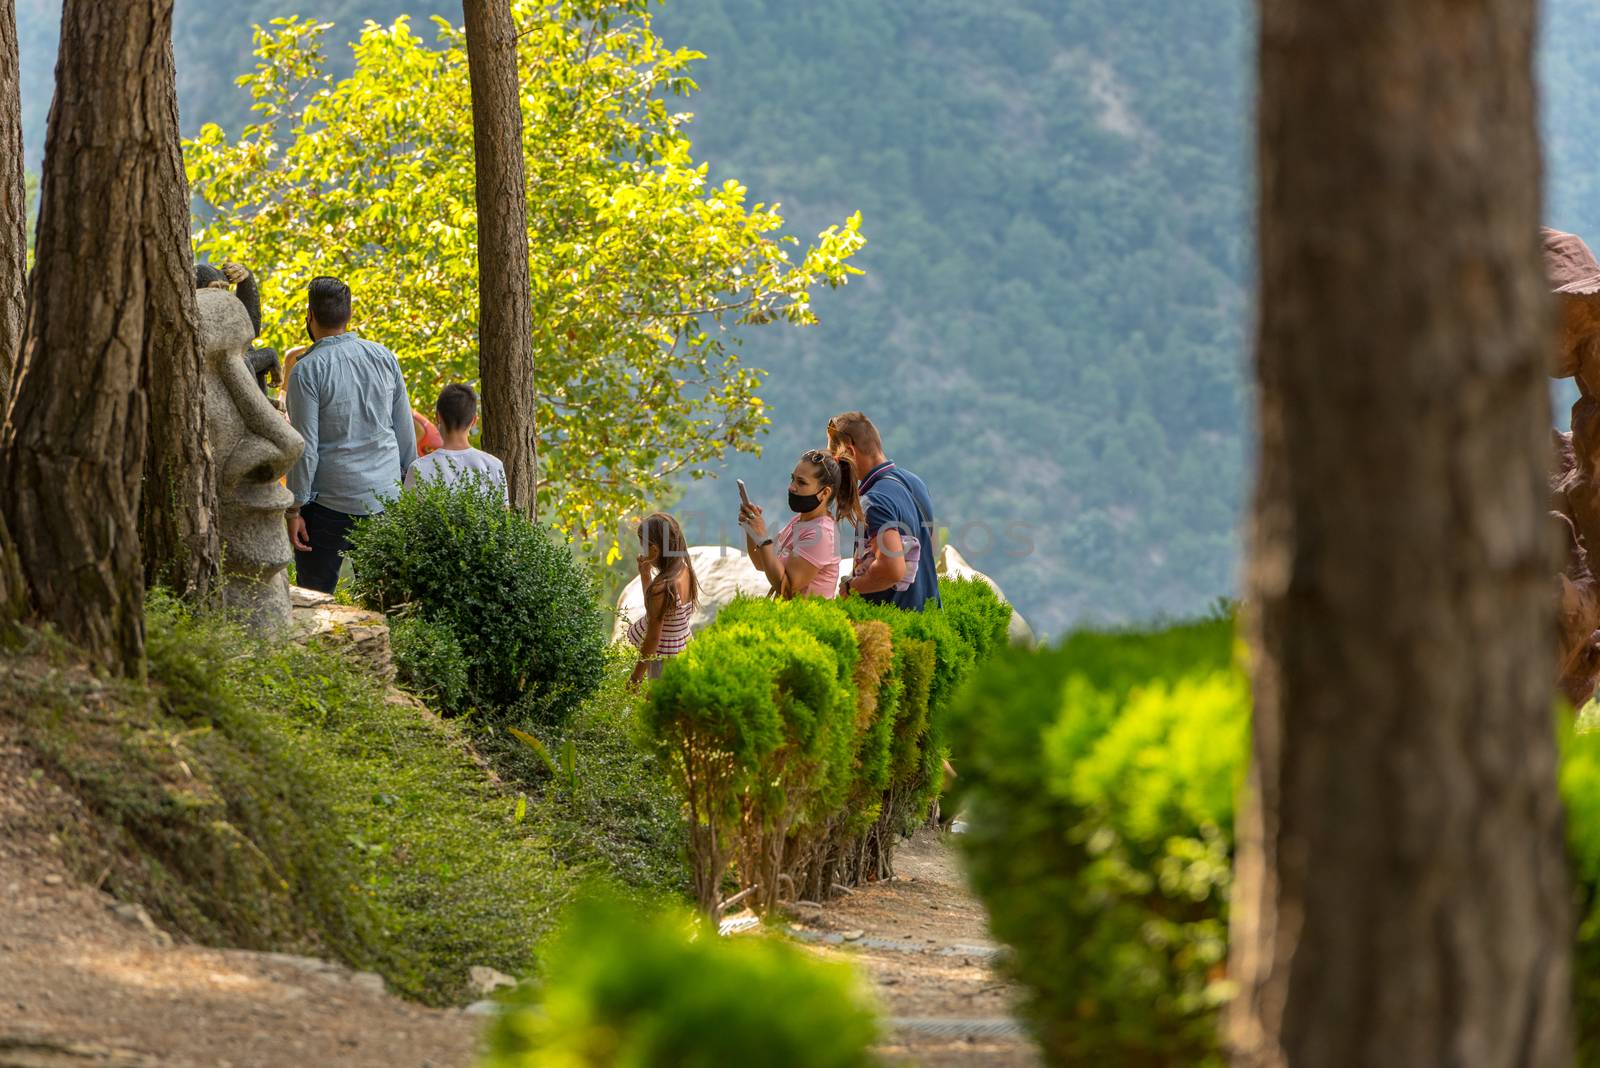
(254, 447)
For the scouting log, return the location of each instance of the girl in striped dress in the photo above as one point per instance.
(670, 593)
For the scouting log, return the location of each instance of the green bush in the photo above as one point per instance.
(981, 618)
(623, 988)
(1099, 783)
(972, 625)
(1099, 780)
(833, 751)
(429, 659)
(713, 719)
(812, 775)
(514, 597)
(1580, 793)
(272, 797)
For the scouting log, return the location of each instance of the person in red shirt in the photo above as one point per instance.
(428, 436)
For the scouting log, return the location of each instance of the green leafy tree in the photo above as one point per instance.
(641, 272)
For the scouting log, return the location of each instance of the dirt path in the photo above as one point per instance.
(922, 940)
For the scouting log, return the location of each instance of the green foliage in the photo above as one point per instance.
(982, 619)
(972, 625)
(1058, 195)
(512, 595)
(1099, 782)
(428, 658)
(805, 728)
(618, 815)
(625, 988)
(713, 719)
(640, 268)
(1580, 793)
(271, 797)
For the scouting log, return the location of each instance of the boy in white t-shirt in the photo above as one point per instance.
(456, 458)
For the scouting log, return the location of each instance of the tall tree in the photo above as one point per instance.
(13, 202)
(73, 450)
(1402, 897)
(178, 511)
(505, 315)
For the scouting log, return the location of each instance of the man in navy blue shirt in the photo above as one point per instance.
(895, 554)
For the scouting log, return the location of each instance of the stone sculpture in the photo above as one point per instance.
(1574, 275)
(254, 448)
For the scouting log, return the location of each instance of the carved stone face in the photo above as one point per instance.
(254, 447)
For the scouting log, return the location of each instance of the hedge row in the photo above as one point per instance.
(1099, 782)
(806, 736)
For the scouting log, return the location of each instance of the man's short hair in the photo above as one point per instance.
(457, 406)
(853, 428)
(328, 300)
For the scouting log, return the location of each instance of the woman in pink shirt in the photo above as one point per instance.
(804, 556)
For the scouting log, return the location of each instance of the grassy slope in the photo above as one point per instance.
(274, 798)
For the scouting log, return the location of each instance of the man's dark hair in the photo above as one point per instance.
(328, 299)
(457, 406)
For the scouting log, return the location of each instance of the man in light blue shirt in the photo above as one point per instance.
(348, 399)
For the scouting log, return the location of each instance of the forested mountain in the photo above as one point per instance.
(1056, 196)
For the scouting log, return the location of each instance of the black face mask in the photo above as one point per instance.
(801, 503)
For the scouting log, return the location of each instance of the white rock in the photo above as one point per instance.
(953, 565)
(486, 981)
(300, 597)
(371, 982)
(134, 914)
(723, 574)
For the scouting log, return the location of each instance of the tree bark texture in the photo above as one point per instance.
(505, 316)
(73, 452)
(1402, 897)
(13, 203)
(179, 510)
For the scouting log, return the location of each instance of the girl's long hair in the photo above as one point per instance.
(840, 477)
(659, 528)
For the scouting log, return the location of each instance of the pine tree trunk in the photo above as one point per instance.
(178, 512)
(13, 203)
(1402, 896)
(505, 316)
(74, 448)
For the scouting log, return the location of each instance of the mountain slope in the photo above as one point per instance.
(1054, 327)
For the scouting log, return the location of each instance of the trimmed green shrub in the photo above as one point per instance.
(856, 695)
(813, 774)
(429, 659)
(520, 605)
(713, 718)
(981, 618)
(1099, 782)
(972, 625)
(272, 797)
(624, 988)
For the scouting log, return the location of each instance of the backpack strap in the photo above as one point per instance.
(928, 532)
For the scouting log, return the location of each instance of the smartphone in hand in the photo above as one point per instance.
(744, 496)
